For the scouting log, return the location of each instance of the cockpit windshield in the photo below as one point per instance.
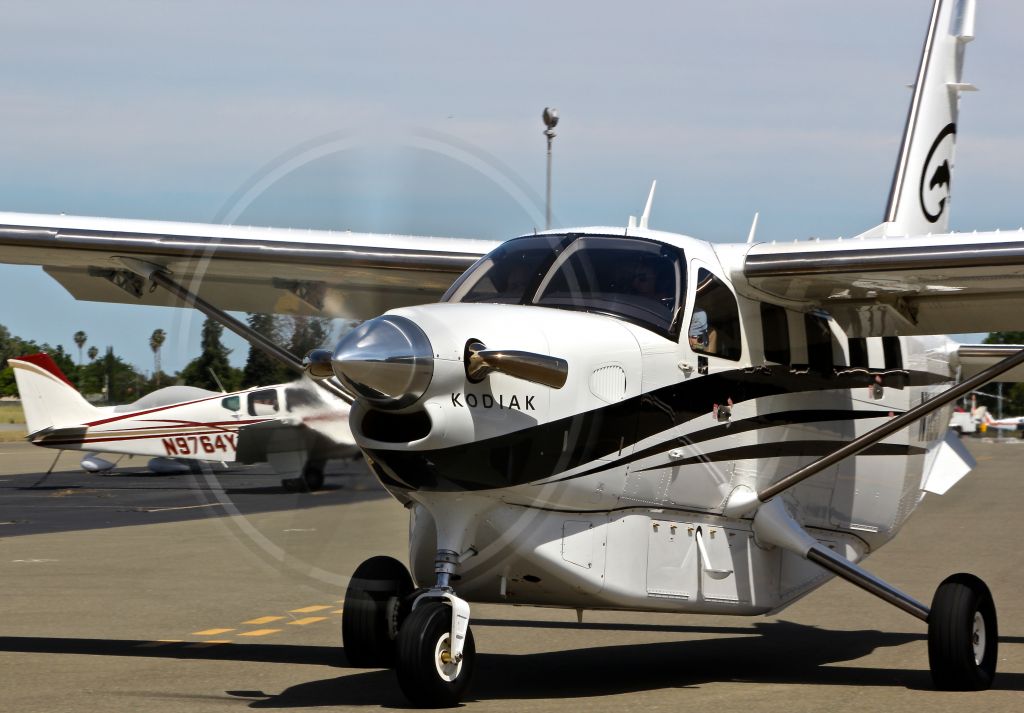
(510, 273)
(635, 279)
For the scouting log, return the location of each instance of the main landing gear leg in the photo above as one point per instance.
(962, 628)
(436, 652)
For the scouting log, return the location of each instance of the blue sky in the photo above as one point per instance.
(792, 108)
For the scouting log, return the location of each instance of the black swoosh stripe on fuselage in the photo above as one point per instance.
(787, 449)
(755, 423)
(540, 452)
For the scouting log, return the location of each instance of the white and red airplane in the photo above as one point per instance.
(624, 418)
(295, 427)
(1009, 423)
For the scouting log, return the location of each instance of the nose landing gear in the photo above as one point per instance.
(423, 633)
(429, 673)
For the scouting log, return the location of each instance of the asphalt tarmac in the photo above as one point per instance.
(112, 604)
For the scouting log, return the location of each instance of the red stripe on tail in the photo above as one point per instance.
(45, 361)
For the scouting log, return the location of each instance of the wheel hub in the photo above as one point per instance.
(447, 668)
(978, 638)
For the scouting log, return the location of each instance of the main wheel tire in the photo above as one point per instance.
(423, 642)
(963, 636)
(369, 617)
(313, 474)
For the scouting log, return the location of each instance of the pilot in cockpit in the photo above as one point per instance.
(702, 336)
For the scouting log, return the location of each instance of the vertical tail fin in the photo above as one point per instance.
(920, 195)
(49, 399)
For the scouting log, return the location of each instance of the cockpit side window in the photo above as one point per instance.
(295, 397)
(263, 402)
(638, 280)
(510, 273)
(715, 323)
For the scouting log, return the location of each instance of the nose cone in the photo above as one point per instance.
(388, 361)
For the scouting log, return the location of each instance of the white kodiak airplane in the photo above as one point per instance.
(294, 427)
(623, 418)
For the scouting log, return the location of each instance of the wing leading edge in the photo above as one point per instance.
(935, 284)
(283, 271)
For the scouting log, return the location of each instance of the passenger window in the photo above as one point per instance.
(820, 357)
(300, 398)
(858, 352)
(775, 330)
(231, 403)
(893, 353)
(263, 403)
(715, 323)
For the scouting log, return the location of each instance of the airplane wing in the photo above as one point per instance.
(975, 358)
(935, 284)
(236, 268)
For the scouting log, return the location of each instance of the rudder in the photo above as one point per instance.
(48, 398)
(920, 194)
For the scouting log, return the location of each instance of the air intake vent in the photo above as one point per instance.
(396, 427)
(608, 383)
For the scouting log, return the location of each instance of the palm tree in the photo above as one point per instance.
(93, 353)
(156, 340)
(80, 340)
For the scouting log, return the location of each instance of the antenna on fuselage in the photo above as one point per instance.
(647, 208)
(647, 212)
(753, 229)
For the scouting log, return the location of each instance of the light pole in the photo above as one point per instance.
(551, 121)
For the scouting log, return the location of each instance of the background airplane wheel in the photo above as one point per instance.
(963, 637)
(426, 678)
(313, 474)
(369, 618)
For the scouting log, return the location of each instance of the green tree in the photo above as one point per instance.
(93, 353)
(7, 385)
(111, 376)
(308, 333)
(260, 369)
(80, 340)
(156, 340)
(11, 346)
(213, 360)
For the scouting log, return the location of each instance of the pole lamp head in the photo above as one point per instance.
(550, 117)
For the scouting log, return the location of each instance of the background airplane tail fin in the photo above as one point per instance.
(49, 399)
(920, 195)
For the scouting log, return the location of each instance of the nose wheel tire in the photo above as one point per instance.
(370, 615)
(963, 636)
(427, 674)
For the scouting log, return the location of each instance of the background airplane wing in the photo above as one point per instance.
(272, 270)
(935, 284)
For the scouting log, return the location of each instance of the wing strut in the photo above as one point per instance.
(775, 526)
(159, 276)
